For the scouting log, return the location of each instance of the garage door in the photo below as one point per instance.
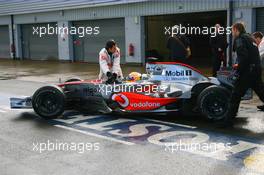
(260, 20)
(86, 48)
(4, 42)
(39, 48)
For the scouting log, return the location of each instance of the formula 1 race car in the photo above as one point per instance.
(166, 87)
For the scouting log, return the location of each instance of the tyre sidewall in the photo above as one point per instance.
(59, 95)
(209, 91)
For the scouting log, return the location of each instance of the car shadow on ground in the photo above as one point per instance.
(31, 117)
(238, 129)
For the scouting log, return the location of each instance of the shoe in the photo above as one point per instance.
(261, 107)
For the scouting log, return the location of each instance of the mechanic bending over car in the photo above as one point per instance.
(109, 60)
(248, 70)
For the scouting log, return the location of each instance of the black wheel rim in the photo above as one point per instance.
(215, 106)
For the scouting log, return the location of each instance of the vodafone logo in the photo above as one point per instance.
(121, 99)
(145, 104)
(136, 102)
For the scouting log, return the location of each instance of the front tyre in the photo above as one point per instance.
(48, 102)
(213, 103)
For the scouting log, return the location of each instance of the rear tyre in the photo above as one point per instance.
(213, 103)
(73, 79)
(48, 102)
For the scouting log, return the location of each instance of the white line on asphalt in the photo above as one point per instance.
(5, 107)
(76, 119)
(2, 111)
(174, 124)
(95, 135)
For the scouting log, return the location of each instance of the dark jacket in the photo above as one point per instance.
(247, 53)
(177, 47)
(219, 41)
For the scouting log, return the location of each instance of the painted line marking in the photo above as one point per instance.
(5, 107)
(76, 118)
(174, 124)
(2, 111)
(95, 135)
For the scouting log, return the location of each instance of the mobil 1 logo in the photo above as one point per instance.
(181, 73)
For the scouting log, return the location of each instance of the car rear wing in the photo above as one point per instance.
(21, 103)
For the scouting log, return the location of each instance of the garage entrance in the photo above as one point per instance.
(259, 20)
(156, 40)
(87, 47)
(35, 47)
(4, 42)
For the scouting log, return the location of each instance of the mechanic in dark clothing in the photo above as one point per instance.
(179, 47)
(248, 70)
(218, 44)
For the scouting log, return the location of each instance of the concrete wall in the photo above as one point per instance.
(246, 15)
(18, 44)
(65, 43)
(10, 39)
(134, 31)
(5, 20)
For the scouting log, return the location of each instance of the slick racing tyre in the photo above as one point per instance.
(48, 102)
(213, 103)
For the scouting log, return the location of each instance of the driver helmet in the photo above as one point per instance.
(134, 76)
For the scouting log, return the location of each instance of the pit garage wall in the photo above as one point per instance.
(129, 11)
(134, 30)
(134, 34)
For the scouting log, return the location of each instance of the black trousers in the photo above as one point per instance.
(244, 82)
(217, 60)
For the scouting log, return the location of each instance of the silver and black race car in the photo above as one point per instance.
(166, 87)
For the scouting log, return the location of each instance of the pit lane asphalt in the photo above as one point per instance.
(127, 144)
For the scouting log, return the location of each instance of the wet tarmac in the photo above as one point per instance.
(123, 148)
(30, 70)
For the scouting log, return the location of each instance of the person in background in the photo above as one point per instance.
(179, 47)
(109, 61)
(258, 37)
(218, 45)
(248, 70)
(187, 44)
